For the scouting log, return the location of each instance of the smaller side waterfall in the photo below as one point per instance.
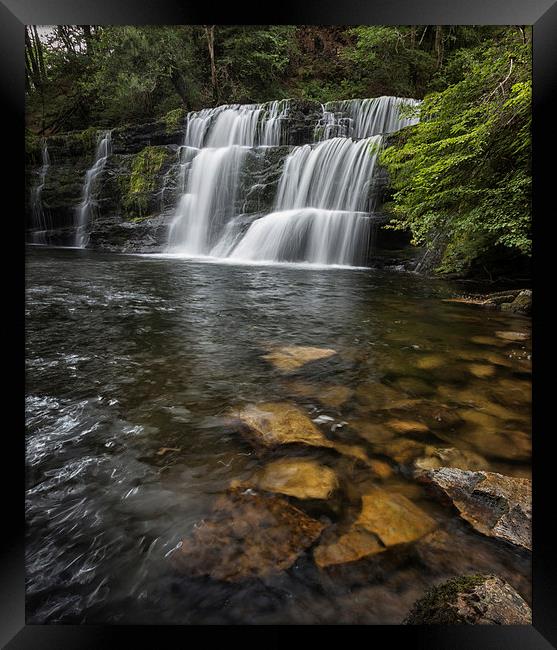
(84, 210)
(39, 224)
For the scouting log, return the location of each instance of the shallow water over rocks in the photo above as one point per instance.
(134, 365)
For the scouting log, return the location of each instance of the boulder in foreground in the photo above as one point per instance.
(473, 600)
(495, 505)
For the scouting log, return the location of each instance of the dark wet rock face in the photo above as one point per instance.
(495, 505)
(247, 535)
(472, 600)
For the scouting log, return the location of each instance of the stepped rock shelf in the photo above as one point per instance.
(285, 181)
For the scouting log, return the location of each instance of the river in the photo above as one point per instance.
(133, 362)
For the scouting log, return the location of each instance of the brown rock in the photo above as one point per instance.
(297, 477)
(292, 357)
(407, 426)
(333, 396)
(495, 505)
(481, 371)
(271, 424)
(386, 519)
(246, 536)
(473, 600)
(277, 423)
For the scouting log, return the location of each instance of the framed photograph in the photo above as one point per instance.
(279, 323)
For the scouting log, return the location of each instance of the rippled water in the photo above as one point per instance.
(132, 364)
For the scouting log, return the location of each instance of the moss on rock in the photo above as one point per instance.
(138, 186)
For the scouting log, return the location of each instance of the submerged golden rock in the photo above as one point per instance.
(278, 423)
(292, 357)
(297, 477)
(271, 424)
(386, 519)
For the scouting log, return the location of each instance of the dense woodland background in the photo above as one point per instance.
(461, 176)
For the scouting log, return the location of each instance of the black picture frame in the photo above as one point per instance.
(14, 14)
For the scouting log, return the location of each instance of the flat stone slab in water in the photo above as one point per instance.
(271, 424)
(278, 423)
(292, 357)
(386, 519)
(297, 477)
(495, 505)
(246, 536)
(473, 600)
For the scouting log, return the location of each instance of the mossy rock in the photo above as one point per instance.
(471, 599)
(138, 186)
(174, 118)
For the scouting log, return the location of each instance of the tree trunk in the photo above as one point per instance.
(179, 86)
(439, 44)
(210, 35)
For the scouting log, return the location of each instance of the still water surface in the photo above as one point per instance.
(132, 364)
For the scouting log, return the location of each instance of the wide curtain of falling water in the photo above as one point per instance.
(325, 197)
(322, 207)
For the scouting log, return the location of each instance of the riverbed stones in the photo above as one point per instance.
(495, 505)
(385, 520)
(473, 600)
(247, 535)
(277, 423)
(436, 457)
(292, 357)
(271, 424)
(297, 477)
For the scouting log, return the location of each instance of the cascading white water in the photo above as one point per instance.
(325, 196)
(39, 225)
(321, 209)
(360, 118)
(84, 210)
(215, 146)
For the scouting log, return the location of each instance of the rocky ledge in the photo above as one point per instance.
(518, 301)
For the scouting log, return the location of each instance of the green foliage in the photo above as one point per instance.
(138, 186)
(175, 118)
(465, 169)
(461, 176)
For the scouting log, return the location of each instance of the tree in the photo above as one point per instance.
(465, 169)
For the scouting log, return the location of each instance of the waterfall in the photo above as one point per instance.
(321, 208)
(84, 210)
(325, 199)
(360, 118)
(216, 143)
(39, 225)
